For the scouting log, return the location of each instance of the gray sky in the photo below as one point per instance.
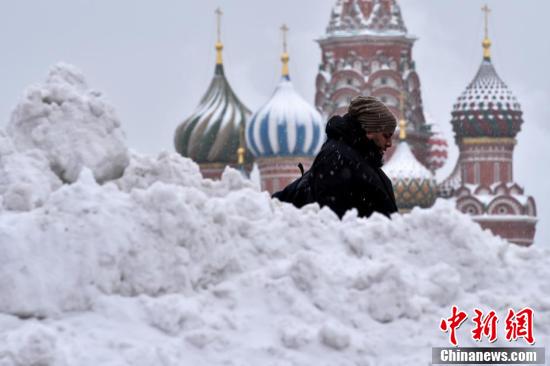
(154, 60)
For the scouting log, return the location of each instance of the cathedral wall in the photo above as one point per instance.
(276, 173)
(518, 232)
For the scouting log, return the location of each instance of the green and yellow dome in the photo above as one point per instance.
(413, 184)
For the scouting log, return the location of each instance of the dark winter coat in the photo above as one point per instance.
(346, 174)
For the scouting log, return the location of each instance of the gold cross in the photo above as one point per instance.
(284, 29)
(219, 14)
(486, 10)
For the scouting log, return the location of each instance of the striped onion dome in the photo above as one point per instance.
(487, 108)
(286, 125)
(214, 132)
(413, 184)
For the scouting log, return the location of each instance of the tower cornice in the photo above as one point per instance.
(488, 141)
(370, 38)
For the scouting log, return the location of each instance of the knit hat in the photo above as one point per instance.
(372, 115)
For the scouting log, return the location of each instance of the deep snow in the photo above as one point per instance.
(162, 267)
(72, 125)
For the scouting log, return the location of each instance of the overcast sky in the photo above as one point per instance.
(154, 60)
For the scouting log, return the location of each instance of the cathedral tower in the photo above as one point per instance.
(367, 50)
(284, 132)
(213, 136)
(486, 119)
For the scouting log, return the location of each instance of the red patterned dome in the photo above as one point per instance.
(487, 108)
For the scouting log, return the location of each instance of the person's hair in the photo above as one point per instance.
(372, 114)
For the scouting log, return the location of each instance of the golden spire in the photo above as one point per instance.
(240, 155)
(402, 122)
(486, 41)
(219, 45)
(241, 150)
(285, 58)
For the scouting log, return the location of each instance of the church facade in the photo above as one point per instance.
(486, 119)
(367, 50)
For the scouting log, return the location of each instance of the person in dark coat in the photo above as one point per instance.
(347, 171)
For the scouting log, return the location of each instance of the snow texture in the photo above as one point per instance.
(25, 178)
(162, 267)
(72, 125)
(214, 273)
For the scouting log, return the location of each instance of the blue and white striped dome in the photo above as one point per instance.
(285, 126)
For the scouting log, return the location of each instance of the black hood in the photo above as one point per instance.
(344, 128)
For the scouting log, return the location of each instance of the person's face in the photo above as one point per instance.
(381, 139)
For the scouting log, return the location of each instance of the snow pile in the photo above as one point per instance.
(143, 171)
(71, 125)
(162, 267)
(25, 178)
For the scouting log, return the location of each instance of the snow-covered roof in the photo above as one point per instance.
(286, 125)
(360, 17)
(487, 198)
(404, 165)
(487, 92)
(506, 218)
(326, 75)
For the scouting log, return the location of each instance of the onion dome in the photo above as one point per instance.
(286, 125)
(413, 184)
(437, 153)
(487, 108)
(214, 132)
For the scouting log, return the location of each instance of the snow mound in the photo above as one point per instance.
(6, 144)
(71, 125)
(143, 171)
(163, 267)
(158, 266)
(25, 178)
(171, 168)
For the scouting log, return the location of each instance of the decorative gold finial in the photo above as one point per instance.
(285, 58)
(240, 155)
(241, 151)
(486, 41)
(219, 45)
(402, 122)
